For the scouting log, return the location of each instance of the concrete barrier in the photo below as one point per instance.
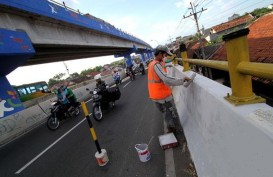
(24, 121)
(224, 140)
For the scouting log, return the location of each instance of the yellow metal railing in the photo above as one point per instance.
(239, 67)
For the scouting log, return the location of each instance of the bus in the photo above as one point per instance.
(32, 90)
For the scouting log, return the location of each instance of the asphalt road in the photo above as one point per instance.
(70, 151)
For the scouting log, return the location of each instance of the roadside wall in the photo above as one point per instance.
(224, 140)
(24, 121)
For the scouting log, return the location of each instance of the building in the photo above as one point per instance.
(230, 26)
(260, 43)
(234, 16)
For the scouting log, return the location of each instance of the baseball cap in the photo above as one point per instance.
(163, 48)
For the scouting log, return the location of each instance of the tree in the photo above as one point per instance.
(52, 82)
(74, 75)
(59, 76)
(86, 71)
(56, 79)
(260, 12)
(97, 68)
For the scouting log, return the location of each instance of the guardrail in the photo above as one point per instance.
(239, 67)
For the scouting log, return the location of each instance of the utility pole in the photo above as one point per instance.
(194, 14)
(170, 39)
(66, 69)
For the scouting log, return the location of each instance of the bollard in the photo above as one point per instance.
(101, 155)
(241, 84)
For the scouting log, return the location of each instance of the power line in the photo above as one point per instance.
(201, 2)
(208, 3)
(218, 19)
(194, 14)
(221, 17)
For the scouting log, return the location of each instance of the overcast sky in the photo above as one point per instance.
(154, 21)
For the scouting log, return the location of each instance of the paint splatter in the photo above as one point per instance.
(12, 94)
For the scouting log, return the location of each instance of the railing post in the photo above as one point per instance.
(241, 85)
(184, 56)
(175, 61)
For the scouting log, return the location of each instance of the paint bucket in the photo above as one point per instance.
(102, 157)
(143, 152)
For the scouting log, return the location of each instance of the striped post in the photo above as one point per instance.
(93, 133)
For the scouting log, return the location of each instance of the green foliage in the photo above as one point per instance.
(97, 68)
(260, 12)
(59, 76)
(74, 75)
(119, 62)
(52, 82)
(56, 79)
(87, 71)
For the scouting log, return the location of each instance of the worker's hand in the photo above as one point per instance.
(187, 79)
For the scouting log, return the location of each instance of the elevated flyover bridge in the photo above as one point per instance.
(36, 32)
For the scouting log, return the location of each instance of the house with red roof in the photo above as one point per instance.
(260, 43)
(230, 26)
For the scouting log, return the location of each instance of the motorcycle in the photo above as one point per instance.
(131, 74)
(60, 112)
(103, 100)
(140, 69)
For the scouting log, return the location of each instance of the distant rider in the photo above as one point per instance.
(130, 69)
(116, 77)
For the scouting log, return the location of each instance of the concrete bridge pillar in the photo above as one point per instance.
(16, 48)
(128, 60)
(9, 100)
(150, 55)
(143, 57)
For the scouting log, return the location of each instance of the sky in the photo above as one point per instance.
(154, 21)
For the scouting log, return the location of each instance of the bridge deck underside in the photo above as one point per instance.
(48, 54)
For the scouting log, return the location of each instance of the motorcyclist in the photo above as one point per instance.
(130, 69)
(66, 96)
(100, 84)
(116, 77)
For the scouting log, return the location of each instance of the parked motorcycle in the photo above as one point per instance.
(103, 100)
(60, 112)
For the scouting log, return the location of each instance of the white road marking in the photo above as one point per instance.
(55, 142)
(169, 160)
(44, 151)
(88, 101)
(126, 84)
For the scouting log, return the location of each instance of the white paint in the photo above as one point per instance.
(223, 139)
(126, 84)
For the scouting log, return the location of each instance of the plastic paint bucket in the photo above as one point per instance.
(102, 157)
(143, 152)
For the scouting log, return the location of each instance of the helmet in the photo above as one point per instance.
(98, 76)
(163, 48)
(61, 89)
